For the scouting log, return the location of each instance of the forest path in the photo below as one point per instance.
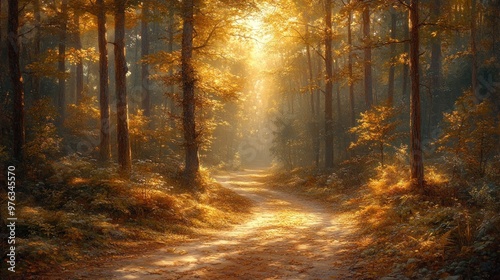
(286, 238)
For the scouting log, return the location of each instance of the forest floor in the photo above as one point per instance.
(287, 237)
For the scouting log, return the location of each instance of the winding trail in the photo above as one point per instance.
(286, 238)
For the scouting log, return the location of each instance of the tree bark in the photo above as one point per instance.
(314, 120)
(435, 67)
(319, 76)
(170, 49)
(61, 65)
(310, 72)
(79, 64)
(473, 47)
(337, 91)
(16, 79)
(416, 161)
(351, 77)
(406, 51)
(192, 163)
(36, 47)
(105, 143)
(2, 71)
(146, 99)
(328, 87)
(390, 91)
(124, 154)
(367, 57)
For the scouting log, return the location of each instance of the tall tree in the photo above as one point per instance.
(79, 62)
(390, 91)
(351, 76)
(406, 50)
(328, 86)
(416, 161)
(192, 163)
(104, 145)
(124, 154)
(36, 46)
(146, 99)
(473, 47)
(367, 61)
(435, 67)
(170, 49)
(314, 120)
(16, 79)
(61, 64)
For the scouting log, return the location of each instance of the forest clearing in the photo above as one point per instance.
(253, 139)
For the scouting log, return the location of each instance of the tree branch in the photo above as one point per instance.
(210, 35)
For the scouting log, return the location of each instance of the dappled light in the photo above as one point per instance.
(252, 139)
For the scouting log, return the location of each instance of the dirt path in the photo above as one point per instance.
(287, 238)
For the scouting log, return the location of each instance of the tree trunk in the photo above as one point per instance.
(328, 87)
(61, 65)
(473, 47)
(188, 85)
(337, 91)
(170, 49)
(416, 161)
(146, 99)
(104, 145)
(406, 50)
(2, 71)
(310, 72)
(351, 77)
(1, 50)
(390, 91)
(79, 64)
(319, 76)
(16, 79)
(367, 57)
(314, 120)
(339, 122)
(435, 67)
(36, 47)
(124, 154)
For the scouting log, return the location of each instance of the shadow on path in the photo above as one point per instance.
(286, 238)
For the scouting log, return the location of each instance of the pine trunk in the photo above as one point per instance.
(390, 91)
(170, 49)
(146, 99)
(435, 67)
(314, 121)
(351, 76)
(79, 64)
(124, 154)
(416, 161)
(36, 47)
(328, 87)
(16, 79)
(192, 163)
(367, 58)
(105, 145)
(406, 51)
(473, 47)
(61, 65)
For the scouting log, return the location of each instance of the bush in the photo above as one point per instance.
(470, 137)
(376, 130)
(42, 141)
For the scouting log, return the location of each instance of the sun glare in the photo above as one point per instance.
(257, 31)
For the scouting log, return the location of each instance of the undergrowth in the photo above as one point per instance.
(83, 211)
(449, 229)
